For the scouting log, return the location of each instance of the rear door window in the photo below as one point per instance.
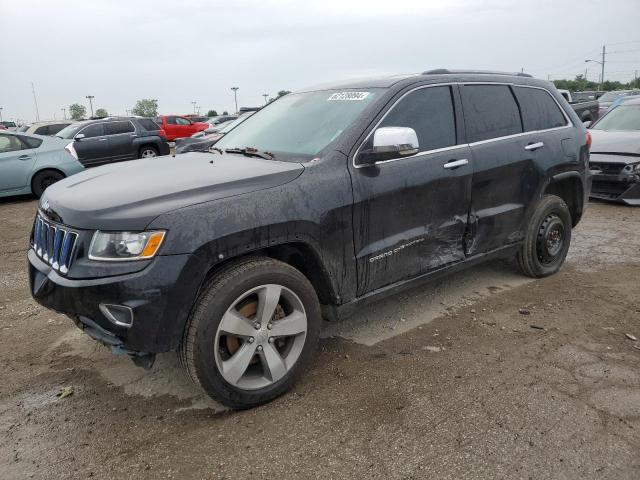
(182, 121)
(539, 110)
(43, 130)
(9, 143)
(429, 111)
(116, 128)
(53, 129)
(490, 111)
(171, 120)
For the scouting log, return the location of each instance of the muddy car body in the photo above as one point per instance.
(324, 200)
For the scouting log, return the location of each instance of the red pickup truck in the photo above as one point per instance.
(176, 126)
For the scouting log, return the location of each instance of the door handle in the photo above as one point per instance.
(456, 163)
(102, 139)
(24, 157)
(534, 146)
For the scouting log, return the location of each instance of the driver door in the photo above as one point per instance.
(410, 214)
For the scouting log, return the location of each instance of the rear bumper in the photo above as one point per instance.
(622, 188)
(164, 148)
(159, 299)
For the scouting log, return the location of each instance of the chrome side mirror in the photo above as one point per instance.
(390, 143)
(587, 124)
(80, 136)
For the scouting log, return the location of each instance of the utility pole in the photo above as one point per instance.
(35, 101)
(265, 95)
(64, 113)
(90, 97)
(235, 96)
(602, 74)
(194, 106)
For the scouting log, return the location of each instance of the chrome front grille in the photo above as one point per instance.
(54, 244)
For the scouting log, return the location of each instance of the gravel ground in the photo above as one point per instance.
(484, 374)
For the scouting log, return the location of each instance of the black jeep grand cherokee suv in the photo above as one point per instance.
(328, 197)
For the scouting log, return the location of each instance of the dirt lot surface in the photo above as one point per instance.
(484, 374)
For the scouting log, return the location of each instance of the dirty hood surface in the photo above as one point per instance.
(129, 195)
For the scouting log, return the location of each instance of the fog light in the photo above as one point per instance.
(118, 314)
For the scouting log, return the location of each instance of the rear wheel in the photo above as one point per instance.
(547, 238)
(44, 179)
(148, 152)
(252, 333)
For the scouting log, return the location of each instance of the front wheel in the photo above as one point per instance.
(252, 333)
(547, 238)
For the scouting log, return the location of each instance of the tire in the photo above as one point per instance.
(547, 238)
(44, 179)
(210, 355)
(148, 152)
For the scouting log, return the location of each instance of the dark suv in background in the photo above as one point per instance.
(114, 139)
(319, 203)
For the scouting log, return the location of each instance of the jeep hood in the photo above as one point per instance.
(129, 195)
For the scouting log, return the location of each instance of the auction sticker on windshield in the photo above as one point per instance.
(347, 96)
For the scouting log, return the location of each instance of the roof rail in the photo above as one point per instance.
(446, 71)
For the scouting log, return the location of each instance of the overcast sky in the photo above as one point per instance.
(179, 51)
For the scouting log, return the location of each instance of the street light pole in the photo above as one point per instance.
(194, 106)
(64, 113)
(91, 97)
(265, 95)
(0, 114)
(235, 96)
(601, 65)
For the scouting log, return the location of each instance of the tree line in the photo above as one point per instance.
(145, 107)
(580, 84)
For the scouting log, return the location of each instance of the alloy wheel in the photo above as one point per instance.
(260, 337)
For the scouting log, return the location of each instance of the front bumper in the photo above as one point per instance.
(160, 299)
(623, 188)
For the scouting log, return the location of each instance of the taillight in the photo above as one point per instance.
(71, 151)
(163, 134)
(588, 140)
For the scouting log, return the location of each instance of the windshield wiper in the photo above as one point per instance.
(251, 152)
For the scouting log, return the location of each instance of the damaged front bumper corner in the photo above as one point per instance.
(622, 188)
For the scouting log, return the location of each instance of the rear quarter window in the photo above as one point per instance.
(490, 111)
(148, 124)
(539, 110)
(30, 142)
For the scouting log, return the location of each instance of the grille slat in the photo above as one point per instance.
(54, 244)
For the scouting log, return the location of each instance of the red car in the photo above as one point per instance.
(176, 126)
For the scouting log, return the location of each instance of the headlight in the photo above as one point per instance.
(114, 246)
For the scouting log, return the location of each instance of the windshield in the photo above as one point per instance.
(299, 123)
(611, 96)
(69, 131)
(233, 124)
(623, 117)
